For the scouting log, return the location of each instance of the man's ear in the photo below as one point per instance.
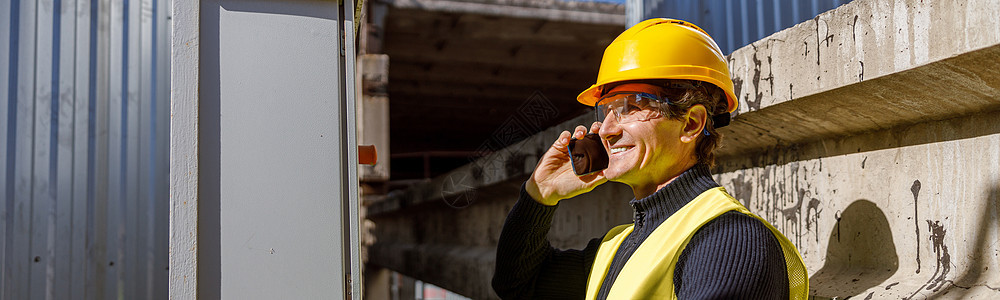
(695, 121)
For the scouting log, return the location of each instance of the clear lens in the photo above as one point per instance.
(629, 107)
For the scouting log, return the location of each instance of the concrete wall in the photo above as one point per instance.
(868, 135)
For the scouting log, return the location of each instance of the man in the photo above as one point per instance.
(662, 90)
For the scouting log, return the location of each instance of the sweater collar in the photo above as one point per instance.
(669, 199)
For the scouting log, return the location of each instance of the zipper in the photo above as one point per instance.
(638, 218)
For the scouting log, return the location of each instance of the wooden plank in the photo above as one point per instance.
(43, 198)
(63, 221)
(185, 46)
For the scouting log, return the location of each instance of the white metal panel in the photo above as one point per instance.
(280, 163)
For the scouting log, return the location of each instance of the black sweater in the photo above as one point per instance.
(734, 256)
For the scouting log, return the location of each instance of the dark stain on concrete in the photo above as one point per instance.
(770, 74)
(790, 97)
(816, 20)
(942, 256)
(755, 105)
(870, 295)
(861, 76)
(737, 80)
(854, 27)
(812, 216)
(863, 162)
(891, 285)
(915, 189)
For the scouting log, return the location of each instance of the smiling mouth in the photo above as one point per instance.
(617, 150)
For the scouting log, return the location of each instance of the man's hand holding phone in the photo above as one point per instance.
(554, 177)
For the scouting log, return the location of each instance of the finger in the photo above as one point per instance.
(596, 127)
(562, 142)
(580, 131)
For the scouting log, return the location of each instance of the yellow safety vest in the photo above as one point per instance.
(649, 273)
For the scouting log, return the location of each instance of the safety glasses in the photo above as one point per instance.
(629, 107)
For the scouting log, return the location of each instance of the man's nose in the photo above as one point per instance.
(610, 128)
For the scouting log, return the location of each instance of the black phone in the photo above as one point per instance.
(588, 154)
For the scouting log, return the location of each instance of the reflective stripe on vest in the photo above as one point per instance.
(649, 273)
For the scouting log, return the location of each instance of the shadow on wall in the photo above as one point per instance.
(860, 255)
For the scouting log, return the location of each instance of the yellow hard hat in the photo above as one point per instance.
(662, 49)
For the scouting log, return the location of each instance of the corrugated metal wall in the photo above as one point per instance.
(733, 24)
(84, 148)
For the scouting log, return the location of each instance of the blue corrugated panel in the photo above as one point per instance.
(83, 149)
(736, 23)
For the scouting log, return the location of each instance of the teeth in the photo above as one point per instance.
(619, 149)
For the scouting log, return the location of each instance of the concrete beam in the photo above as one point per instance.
(457, 73)
(570, 11)
(445, 89)
(867, 65)
(495, 55)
